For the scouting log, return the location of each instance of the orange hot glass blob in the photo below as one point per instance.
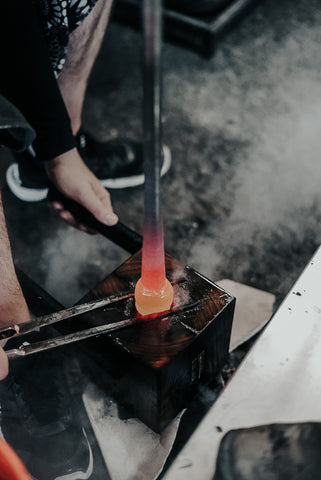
(153, 292)
(150, 300)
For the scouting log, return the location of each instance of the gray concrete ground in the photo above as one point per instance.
(243, 198)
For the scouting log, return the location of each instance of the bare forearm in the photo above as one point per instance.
(13, 307)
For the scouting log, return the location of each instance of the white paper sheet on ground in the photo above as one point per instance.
(130, 449)
(253, 309)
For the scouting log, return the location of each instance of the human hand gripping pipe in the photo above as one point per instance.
(153, 292)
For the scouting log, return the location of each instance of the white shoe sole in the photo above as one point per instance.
(38, 194)
(81, 475)
(136, 180)
(23, 193)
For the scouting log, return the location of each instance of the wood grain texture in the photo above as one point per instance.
(158, 363)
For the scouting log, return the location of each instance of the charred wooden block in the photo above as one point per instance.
(155, 365)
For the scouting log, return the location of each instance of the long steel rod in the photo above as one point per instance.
(153, 256)
(152, 27)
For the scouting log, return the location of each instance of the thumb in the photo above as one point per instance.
(97, 200)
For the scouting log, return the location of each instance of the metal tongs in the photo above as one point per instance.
(17, 330)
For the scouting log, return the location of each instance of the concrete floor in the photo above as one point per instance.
(243, 198)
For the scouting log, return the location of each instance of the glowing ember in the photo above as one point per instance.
(153, 292)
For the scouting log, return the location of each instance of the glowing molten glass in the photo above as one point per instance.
(153, 292)
(150, 301)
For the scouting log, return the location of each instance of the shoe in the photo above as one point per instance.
(22, 392)
(13, 412)
(27, 180)
(117, 164)
(43, 433)
(65, 456)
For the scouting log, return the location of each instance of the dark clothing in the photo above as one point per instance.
(59, 18)
(27, 77)
(15, 131)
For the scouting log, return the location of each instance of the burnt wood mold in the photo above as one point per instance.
(153, 368)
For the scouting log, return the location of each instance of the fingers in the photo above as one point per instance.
(97, 200)
(57, 206)
(72, 177)
(70, 219)
(4, 364)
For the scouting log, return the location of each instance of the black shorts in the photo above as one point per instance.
(59, 18)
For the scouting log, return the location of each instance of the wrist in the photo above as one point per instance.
(54, 163)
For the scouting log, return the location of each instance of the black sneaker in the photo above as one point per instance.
(13, 412)
(27, 178)
(36, 420)
(117, 164)
(65, 456)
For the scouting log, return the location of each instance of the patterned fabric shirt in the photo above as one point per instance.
(59, 18)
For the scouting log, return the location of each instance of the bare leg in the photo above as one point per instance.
(83, 47)
(68, 171)
(13, 307)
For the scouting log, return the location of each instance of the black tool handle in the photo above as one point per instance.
(120, 234)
